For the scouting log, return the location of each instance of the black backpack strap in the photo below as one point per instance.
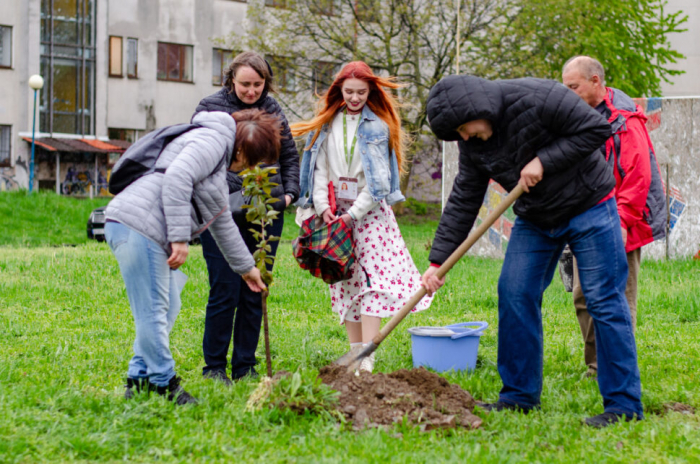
(197, 212)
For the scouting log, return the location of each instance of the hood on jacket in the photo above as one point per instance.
(622, 108)
(458, 99)
(221, 122)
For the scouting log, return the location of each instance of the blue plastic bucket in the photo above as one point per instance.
(446, 348)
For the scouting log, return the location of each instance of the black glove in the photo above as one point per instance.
(281, 204)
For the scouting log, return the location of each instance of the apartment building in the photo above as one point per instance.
(112, 69)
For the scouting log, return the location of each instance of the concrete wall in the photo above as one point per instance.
(674, 126)
(687, 43)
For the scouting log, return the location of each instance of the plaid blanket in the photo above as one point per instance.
(325, 250)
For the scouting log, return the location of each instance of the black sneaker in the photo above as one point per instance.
(220, 375)
(135, 386)
(608, 418)
(250, 374)
(176, 393)
(502, 406)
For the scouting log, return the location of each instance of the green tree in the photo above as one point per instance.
(630, 39)
(417, 41)
(257, 185)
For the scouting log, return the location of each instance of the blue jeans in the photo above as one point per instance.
(531, 259)
(154, 296)
(229, 299)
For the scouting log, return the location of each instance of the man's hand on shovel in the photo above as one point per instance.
(531, 174)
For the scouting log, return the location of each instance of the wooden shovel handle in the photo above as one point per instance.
(451, 261)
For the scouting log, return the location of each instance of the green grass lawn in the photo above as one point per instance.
(66, 334)
(44, 219)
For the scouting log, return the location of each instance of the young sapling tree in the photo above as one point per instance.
(257, 186)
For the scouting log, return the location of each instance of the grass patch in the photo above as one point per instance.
(44, 218)
(65, 341)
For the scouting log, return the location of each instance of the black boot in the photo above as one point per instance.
(176, 393)
(135, 386)
(503, 406)
(608, 418)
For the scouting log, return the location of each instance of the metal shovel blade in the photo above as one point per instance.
(353, 358)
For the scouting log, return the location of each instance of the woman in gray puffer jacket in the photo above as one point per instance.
(151, 221)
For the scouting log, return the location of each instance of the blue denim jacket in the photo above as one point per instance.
(381, 168)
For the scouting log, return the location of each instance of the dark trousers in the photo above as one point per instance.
(233, 309)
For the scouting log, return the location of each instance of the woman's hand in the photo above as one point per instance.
(328, 216)
(254, 281)
(430, 281)
(347, 219)
(179, 254)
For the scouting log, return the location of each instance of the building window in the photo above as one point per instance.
(132, 58)
(129, 135)
(174, 62)
(283, 73)
(68, 66)
(115, 56)
(219, 61)
(5, 137)
(5, 46)
(323, 75)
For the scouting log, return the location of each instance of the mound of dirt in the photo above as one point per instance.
(679, 407)
(425, 398)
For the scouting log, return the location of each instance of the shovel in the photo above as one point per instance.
(352, 359)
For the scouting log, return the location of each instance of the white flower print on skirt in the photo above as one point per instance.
(394, 278)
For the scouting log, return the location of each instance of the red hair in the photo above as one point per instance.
(381, 102)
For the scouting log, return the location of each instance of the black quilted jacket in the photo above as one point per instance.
(288, 172)
(530, 117)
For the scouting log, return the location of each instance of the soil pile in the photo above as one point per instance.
(679, 407)
(425, 398)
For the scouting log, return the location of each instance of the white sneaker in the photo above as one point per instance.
(367, 364)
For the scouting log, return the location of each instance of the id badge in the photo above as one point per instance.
(347, 188)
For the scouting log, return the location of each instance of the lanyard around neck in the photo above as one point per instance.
(349, 155)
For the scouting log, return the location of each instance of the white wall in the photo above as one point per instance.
(687, 43)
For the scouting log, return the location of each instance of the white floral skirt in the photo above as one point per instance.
(393, 277)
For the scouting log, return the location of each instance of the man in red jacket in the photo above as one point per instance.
(638, 192)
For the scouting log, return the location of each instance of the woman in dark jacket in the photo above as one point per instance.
(539, 134)
(248, 81)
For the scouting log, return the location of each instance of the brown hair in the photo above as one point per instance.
(252, 60)
(258, 137)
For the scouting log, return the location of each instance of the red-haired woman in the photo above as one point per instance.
(356, 138)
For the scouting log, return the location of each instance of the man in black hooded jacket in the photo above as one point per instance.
(539, 134)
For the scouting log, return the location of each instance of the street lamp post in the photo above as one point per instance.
(36, 82)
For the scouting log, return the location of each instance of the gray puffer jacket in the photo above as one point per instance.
(160, 205)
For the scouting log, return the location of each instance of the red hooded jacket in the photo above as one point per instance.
(639, 190)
